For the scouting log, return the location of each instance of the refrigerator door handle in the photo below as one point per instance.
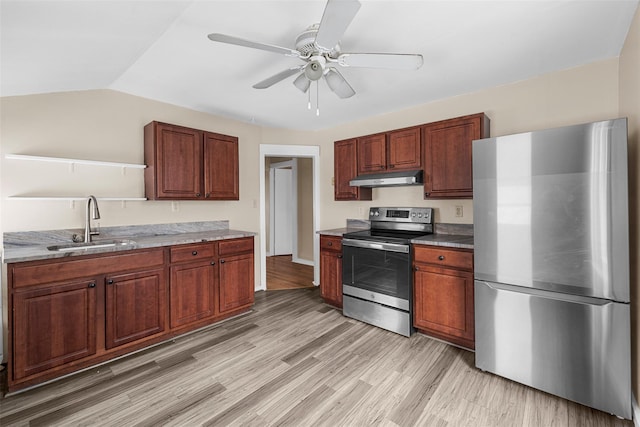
(579, 299)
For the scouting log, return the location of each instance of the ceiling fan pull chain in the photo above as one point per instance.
(317, 98)
(309, 101)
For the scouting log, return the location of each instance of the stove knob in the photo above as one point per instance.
(413, 215)
(419, 215)
(377, 213)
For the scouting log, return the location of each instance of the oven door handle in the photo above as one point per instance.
(390, 247)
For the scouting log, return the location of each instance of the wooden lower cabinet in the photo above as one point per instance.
(443, 294)
(53, 325)
(71, 313)
(193, 295)
(135, 306)
(236, 282)
(331, 270)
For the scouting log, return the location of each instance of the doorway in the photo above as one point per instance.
(283, 204)
(285, 153)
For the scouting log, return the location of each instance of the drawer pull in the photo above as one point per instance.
(194, 253)
(339, 256)
(221, 261)
(197, 194)
(110, 282)
(330, 244)
(441, 257)
(213, 263)
(92, 285)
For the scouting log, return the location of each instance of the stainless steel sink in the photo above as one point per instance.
(90, 245)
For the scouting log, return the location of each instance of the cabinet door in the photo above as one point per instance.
(443, 304)
(178, 162)
(135, 306)
(345, 168)
(447, 156)
(221, 177)
(372, 153)
(192, 292)
(52, 326)
(404, 150)
(236, 282)
(331, 277)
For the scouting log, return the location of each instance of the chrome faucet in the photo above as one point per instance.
(95, 214)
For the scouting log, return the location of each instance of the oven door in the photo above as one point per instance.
(377, 271)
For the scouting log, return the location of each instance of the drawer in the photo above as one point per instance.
(42, 272)
(331, 243)
(201, 251)
(459, 259)
(235, 246)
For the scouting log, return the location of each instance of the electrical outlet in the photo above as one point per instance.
(459, 211)
(175, 207)
(360, 210)
(333, 180)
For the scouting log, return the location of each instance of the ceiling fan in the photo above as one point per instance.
(318, 46)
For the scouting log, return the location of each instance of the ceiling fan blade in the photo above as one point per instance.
(392, 61)
(337, 16)
(276, 78)
(223, 38)
(338, 84)
(302, 83)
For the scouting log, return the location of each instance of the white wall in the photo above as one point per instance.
(107, 125)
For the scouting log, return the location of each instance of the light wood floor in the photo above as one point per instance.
(282, 273)
(294, 361)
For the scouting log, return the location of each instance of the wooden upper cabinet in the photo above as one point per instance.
(372, 153)
(345, 168)
(221, 174)
(189, 164)
(404, 150)
(447, 155)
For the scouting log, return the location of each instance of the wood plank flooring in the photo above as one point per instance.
(294, 361)
(282, 273)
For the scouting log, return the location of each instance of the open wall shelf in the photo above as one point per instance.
(73, 161)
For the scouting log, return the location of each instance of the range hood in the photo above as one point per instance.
(389, 179)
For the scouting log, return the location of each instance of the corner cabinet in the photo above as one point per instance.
(447, 155)
(345, 168)
(443, 294)
(331, 270)
(189, 164)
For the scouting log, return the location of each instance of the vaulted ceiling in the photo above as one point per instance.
(159, 50)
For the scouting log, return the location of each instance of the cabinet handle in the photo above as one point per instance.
(330, 244)
(392, 166)
(426, 194)
(340, 256)
(92, 285)
(441, 257)
(381, 167)
(194, 253)
(207, 195)
(213, 263)
(109, 282)
(416, 269)
(197, 194)
(221, 261)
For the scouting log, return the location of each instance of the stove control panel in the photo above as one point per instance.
(420, 215)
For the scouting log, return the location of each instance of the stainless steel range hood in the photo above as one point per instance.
(389, 179)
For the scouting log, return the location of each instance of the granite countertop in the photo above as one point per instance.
(31, 246)
(448, 240)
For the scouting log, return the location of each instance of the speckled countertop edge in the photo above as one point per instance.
(40, 252)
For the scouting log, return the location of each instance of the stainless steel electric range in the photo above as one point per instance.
(377, 281)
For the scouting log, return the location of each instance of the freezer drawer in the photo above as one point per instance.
(571, 346)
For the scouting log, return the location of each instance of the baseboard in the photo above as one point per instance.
(635, 409)
(302, 261)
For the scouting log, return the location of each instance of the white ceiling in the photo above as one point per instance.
(159, 50)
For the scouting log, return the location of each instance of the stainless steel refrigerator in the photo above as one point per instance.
(551, 259)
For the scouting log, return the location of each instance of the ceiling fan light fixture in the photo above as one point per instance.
(302, 82)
